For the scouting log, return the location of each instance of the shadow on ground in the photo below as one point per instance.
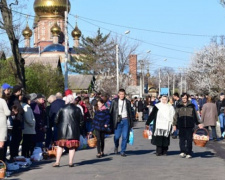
(93, 161)
(206, 154)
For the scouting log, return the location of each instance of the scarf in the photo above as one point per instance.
(164, 119)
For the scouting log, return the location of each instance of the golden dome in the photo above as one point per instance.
(51, 8)
(76, 33)
(27, 33)
(55, 29)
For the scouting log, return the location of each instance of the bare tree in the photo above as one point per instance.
(6, 24)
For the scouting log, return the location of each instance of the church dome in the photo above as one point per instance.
(55, 29)
(76, 33)
(51, 8)
(27, 33)
(54, 48)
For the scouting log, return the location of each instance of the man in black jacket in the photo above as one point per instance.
(185, 119)
(121, 115)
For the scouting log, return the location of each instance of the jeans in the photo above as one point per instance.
(222, 122)
(213, 131)
(186, 135)
(100, 141)
(122, 129)
(88, 126)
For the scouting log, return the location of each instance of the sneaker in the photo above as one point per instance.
(188, 156)
(182, 155)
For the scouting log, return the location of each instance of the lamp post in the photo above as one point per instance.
(173, 84)
(168, 84)
(117, 64)
(147, 75)
(159, 81)
(141, 78)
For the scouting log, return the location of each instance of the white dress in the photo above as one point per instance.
(4, 111)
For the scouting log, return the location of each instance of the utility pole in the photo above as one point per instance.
(117, 68)
(159, 81)
(173, 83)
(168, 85)
(66, 48)
(181, 84)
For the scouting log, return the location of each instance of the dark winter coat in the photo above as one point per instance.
(140, 106)
(41, 121)
(157, 140)
(220, 106)
(18, 121)
(101, 119)
(186, 116)
(55, 107)
(69, 121)
(114, 112)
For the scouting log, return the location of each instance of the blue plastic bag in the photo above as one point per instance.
(131, 137)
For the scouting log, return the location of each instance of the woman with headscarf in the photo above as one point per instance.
(162, 115)
(68, 120)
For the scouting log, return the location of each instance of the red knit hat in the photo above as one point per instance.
(68, 92)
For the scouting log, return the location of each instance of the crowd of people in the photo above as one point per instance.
(60, 119)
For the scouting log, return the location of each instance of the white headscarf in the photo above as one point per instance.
(164, 119)
(69, 99)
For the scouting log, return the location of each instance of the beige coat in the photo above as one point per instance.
(4, 112)
(209, 114)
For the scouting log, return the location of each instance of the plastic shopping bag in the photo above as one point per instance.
(131, 137)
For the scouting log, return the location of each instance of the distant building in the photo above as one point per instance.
(49, 35)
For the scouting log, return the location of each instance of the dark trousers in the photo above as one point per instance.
(213, 131)
(161, 150)
(49, 137)
(2, 154)
(28, 145)
(186, 136)
(15, 142)
(100, 141)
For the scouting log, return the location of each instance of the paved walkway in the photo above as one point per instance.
(140, 164)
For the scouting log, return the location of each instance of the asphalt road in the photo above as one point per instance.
(140, 164)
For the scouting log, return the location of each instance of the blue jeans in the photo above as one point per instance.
(222, 122)
(122, 129)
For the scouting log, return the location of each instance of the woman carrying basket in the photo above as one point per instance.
(100, 123)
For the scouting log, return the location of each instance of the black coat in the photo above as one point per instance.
(114, 112)
(157, 140)
(55, 107)
(69, 121)
(140, 106)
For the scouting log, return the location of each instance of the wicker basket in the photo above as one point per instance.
(201, 137)
(52, 152)
(2, 170)
(92, 142)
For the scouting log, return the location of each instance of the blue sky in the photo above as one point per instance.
(192, 17)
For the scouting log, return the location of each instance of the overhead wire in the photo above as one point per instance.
(148, 30)
(172, 49)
